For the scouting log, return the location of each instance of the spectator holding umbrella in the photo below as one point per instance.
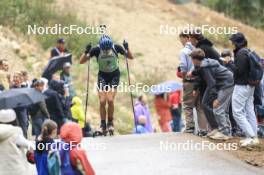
(65, 76)
(38, 111)
(60, 49)
(162, 107)
(21, 112)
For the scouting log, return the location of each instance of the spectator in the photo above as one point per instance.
(141, 108)
(71, 133)
(175, 108)
(78, 112)
(141, 125)
(25, 79)
(54, 103)
(189, 101)
(163, 109)
(45, 143)
(219, 80)
(4, 75)
(226, 57)
(78, 115)
(17, 81)
(13, 146)
(242, 98)
(66, 77)
(21, 112)
(199, 41)
(39, 112)
(59, 49)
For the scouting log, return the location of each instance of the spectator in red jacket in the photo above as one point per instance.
(175, 109)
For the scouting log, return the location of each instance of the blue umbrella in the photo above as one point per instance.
(165, 87)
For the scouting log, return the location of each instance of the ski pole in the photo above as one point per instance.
(87, 89)
(131, 96)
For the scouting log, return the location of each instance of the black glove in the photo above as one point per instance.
(88, 48)
(125, 44)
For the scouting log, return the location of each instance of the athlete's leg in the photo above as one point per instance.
(110, 101)
(102, 100)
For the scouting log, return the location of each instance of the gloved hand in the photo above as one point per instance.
(125, 44)
(88, 48)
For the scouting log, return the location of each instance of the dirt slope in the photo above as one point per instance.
(139, 22)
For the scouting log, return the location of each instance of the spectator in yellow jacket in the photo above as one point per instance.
(77, 111)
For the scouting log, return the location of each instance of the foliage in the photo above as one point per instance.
(247, 11)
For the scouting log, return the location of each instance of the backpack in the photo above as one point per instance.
(255, 68)
(54, 163)
(59, 162)
(66, 167)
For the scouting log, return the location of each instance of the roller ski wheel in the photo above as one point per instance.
(111, 129)
(101, 132)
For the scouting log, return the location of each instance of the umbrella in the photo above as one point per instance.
(165, 87)
(55, 64)
(20, 97)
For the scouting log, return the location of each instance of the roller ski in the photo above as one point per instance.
(110, 128)
(101, 132)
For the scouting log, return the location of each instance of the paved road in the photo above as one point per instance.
(161, 154)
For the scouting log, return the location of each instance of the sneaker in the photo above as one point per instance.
(212, 133)
(219, 136)
(189, 130)
(202, 133)
(255, 141)
(246, 142)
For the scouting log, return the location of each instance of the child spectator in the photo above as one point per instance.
(44, 144)
(141, 125)
(71, 133)
(175, 103)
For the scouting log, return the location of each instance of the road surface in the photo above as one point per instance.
(162, 154)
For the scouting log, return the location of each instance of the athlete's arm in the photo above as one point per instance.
(128, 52)
(84, 58)
(86, 55)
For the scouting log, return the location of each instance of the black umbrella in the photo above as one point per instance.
(20, 97)
(55, 64)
